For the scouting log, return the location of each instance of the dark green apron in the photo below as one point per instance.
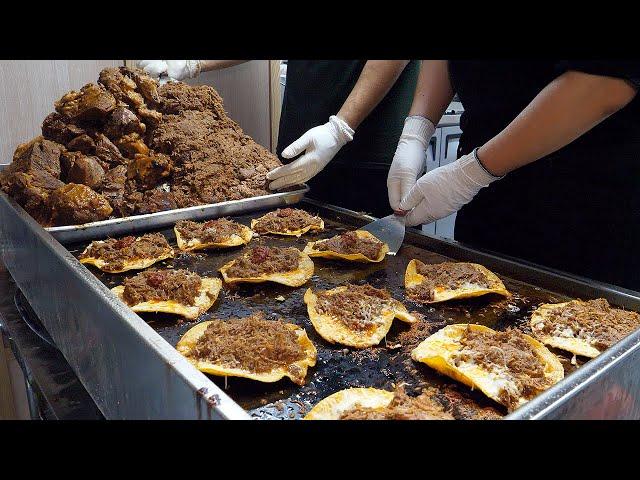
(356, 178)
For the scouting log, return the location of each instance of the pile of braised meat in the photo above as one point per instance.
(126, 146)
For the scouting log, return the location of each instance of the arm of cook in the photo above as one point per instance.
(320, 144)
(433, 94)
(181, 69)
(565, 109)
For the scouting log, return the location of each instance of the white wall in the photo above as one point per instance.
(28, 90)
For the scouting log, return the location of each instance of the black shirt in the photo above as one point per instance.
(315, 90)
(577, 209)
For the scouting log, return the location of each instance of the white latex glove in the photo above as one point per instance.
(153, 68)
(181, 69)
(410, 158)
(445, 190)
(320, 144)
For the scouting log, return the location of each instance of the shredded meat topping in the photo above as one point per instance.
(262, 260)
(285, 219)
(594, 321)
(349, 242)
(509, 355)
(359, 307)
(449, 275)
(213, 231)
(181, 286)
(117, 252)
(402, 407)
(252, 343)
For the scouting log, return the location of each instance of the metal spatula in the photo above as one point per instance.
(389, 230)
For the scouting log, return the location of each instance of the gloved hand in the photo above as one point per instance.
(445, 190)
(153, 68)
(181, 69)
(320, 145)
(409, 159)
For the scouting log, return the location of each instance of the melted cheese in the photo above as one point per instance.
(334, 406)
(439, 351)
(563, 338)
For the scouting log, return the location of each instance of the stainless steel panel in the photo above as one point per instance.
(127, 368)
(141, 223)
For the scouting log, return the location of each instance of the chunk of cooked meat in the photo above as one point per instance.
(155, 201)
(121, 122)
(83, 143)
(31, 191)
(149, 170)
(33, 175)
(92, 102)
(149, 116)
(58, 128)
(76, 204)
(131, 145)
(108, 152)
(86, 170)
(126, 114)
(37, 155)
(113, 188)
(121, 86)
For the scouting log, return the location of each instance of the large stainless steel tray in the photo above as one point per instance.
(131, 371)
(140, 223)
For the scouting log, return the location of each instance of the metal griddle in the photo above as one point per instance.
(131, 370)
(337, 367)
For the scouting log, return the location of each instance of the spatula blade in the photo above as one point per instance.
(389, 230)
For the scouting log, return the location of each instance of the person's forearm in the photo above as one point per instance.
(571, 105)
(375, 81)
(433, 91)
(209, 65)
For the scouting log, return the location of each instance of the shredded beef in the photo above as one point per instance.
(116, 252)
(213, 231)
(349, 242)
(449, 275)
(176, 137)
(262, 260)
(594, 321)
(402, 407)
(509, 355)
(358, 307)
(251, 343)
(285, 219)
(181, 286)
